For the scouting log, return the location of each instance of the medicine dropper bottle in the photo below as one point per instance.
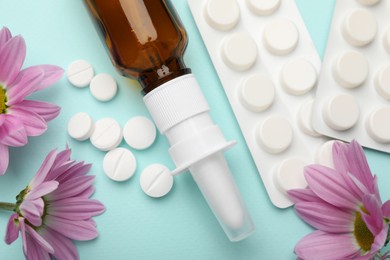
(146, 41)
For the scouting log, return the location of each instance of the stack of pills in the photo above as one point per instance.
(106, 134)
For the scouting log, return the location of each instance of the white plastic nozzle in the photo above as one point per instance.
(181, 112)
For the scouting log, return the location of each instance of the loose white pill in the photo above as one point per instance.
(222, 15)
(103, 87)
(359, 27)
(156, 180)
(382, 82)
(350, 69)
(119, 164)
(281, 36)
(107, 134)
(305, 118)
(378, 125)
(324, 155)
(80, 73)
(239, 51)
(257, 93)
(275, 134)
(386, 40)
(139, 132)
(263, 7)
(81, 126)
(368, 2)
(298, 77)
(290, 175)
(341, 112)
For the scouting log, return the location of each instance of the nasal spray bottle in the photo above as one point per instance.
(146, 41)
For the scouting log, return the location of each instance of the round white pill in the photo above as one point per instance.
(156, 180)
(382, 82)
(281, 36)
(305, 118)
(103, 87)
(81, 126)
(350, 69)
(139, 132)
(222, 15)
(119, 164)
(107, 134)
(324, 155)
(275, 134)
(298, 77)
(263, 7)
(290, 175)
(386, 40)
(239, 51)
(368, 2)
(80, 73)
(341, 112)
(378, 125)
(359, 27)
(257, 93)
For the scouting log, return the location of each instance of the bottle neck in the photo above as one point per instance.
(171, 69)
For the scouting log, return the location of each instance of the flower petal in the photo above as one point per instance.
(325, 246)
(373, 220)
(5, 36)
(79, 169)
(40, 240)
(35, 251)
(2, 119)
(44, 169)
(77, 230)
(63, 157)
(4, 159)
(23, 232)
(300, 195)
(386, 209)
(25, 84)
(31, 213)
(12, 229)
(71, 187)
(64, 248)
(12, 56)
(52, 74)
(12, 132)
(42, 189)
(358, 165)
(379, 240)
(325, 217)
(86, 193)
(33, 123)
(46, 110)
(330, 186)
(76, 208)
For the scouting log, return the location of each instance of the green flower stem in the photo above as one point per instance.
(7, 206)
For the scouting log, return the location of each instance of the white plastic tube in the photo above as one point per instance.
(181, 112)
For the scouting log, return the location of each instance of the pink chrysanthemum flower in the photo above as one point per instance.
(20, 118)
(345, 206)
(55, 209)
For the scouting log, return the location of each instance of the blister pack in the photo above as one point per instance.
(353, 95)
(268, 66)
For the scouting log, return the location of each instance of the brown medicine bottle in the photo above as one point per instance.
(146, 41)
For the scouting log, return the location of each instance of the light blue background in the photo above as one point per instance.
(179, 226)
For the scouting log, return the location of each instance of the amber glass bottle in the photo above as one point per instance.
(145, 38)
(146, 41)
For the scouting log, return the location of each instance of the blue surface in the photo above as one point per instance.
(179, 226)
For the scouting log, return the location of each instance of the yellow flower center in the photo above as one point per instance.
(3, 101)
(363, 235)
